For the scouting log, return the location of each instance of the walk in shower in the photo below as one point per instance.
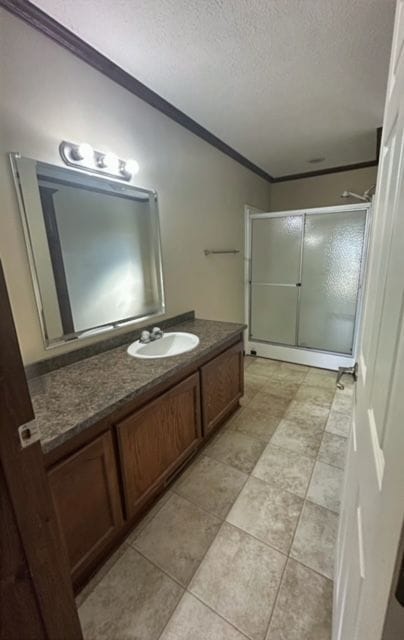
(304, 273)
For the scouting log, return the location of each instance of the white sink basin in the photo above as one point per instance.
(171, 344)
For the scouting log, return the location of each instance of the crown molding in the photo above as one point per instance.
(41, 21)
(47, 25)
(339, 169)
(323, 172)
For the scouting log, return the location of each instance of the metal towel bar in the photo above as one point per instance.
(208, 252)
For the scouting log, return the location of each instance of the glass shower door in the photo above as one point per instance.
(332, 255)
(276, 245)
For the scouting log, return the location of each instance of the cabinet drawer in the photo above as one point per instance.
(222, 385)
(156, 439)
(85, 492)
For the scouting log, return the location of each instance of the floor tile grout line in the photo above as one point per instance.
(200, 564)
(171, 615)
(277, 446)
(211, 513)
(317, 504)
(220, 615)
(275, 599)
(267, 544)
(305, 500)
(184, 586)
(330, 463)
(165, 492)
(157, 566)
(301, 512)
(278, 487)
(247, 473)
(169, 575)
(123, 544)
(316, 571)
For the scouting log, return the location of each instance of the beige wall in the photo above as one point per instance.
(48, 95)
(321, 191)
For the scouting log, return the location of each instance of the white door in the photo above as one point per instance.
(373, 498)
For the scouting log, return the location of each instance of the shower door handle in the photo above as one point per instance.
(298, 284)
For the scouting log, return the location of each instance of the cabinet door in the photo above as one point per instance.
(222, 385)
(156, 439)
(87, 500)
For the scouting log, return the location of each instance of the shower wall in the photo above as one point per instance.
(320, 191)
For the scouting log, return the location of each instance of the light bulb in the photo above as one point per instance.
(131, 167)
(111, 162)
(85, 151)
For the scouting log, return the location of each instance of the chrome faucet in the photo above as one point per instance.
(150, 336)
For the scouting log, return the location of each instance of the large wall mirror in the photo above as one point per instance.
(94, 250)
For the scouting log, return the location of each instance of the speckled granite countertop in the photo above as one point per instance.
(72, 398)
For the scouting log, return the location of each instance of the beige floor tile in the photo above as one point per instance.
(314, 543)
(211, 485)
(253, 383)
(247, 361)
(256, 424)
(177, 538)
(236, 449)
(333, 450)
(315, 395)
(343, 401)
(339, 423)
(281, 387)
(303, 608)
(192, 620)
(322, 378)
(270, 404)
(148, 517)
(239, 578)
(284, 468)
(264, 366)
(303, 439)
(134, 600)
(325, 486)
(255, 378)
(233, 416)
(103, 570)
(251, 388)
(267, 513)
(246, 399)
(307, 413)
(292, 373)
(291, 366)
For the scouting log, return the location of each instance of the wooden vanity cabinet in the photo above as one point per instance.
(103, 486)
(86, 495)
(222, 382)
(155, 440)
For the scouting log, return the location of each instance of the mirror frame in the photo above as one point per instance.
(100, 330)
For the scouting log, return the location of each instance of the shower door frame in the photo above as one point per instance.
(294, 353)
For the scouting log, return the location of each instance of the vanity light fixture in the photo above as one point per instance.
(84, 157)
(110, 161)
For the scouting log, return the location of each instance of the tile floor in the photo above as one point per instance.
(242, 544)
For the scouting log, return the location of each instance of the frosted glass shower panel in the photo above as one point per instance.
(273, 313)
(332, 253)
(276, 245)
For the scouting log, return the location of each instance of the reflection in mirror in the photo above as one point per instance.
(94, 249)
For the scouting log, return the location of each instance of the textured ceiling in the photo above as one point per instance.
(281, 81)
